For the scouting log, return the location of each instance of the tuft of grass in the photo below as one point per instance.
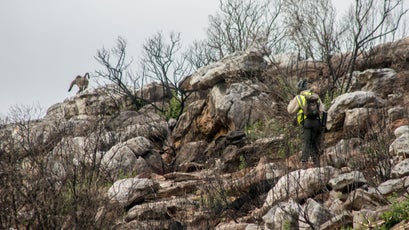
(275, 128)
(265, 128)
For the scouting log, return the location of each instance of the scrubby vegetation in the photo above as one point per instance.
(212, 169)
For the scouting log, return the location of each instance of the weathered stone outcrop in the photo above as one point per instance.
(131, 191)
(340, 154)
(304, 183)
(391, 55)
(350, 101)
(400, 146)
(380, 81)
(90, 102)
(347, 181)
(134, 155)
(227, 69)
(204, 171)
(235, 98)
(128, 124)
(327, 197)
(394, 185)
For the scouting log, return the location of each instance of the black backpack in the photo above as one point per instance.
(311, 108)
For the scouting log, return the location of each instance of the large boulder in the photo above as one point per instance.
(73, 147)
(401, 169)
(235, 97)
(300, 184)
(154, 92)
(129, 124)
(348, 101)
(360, 199)
(313, 215)
(344, 153)
(347, 181)
(380, 81)
(400, 146)
(229, 107)
(162, 210)
(134, 156)
(359, 120)
(394, 186)
(240, 104)
(282, 214)
(191, 156)
(90, 102)
(131, 190)
(106, 101)
(390, 54)
(226, 69)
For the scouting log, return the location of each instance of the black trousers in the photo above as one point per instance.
(311, 137)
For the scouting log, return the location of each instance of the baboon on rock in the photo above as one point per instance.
(81, 82)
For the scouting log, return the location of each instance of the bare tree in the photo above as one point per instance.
(199, 54)
(165, 63)
(41, 185)
(370, 20)
(241, 22)
(161, 62)
(311, 27)
(117, 72)
(316, 33)
(161, 59)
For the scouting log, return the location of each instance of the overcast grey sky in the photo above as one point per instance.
(44, 44)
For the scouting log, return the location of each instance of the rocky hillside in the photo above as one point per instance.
(229, 162)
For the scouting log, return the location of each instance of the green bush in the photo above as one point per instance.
(399, 212)
(243, 163)
(175, 107)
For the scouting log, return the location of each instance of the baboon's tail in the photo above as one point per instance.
(86, 75)
(72, 84)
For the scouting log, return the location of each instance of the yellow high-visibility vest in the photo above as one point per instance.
(301, 102)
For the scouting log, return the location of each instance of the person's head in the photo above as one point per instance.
(302, 85)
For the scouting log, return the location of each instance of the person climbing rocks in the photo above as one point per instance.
(309, 108)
